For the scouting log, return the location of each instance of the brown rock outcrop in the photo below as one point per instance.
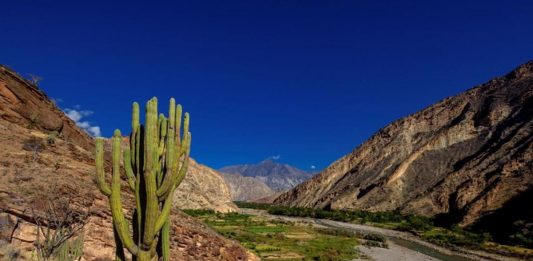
(26, 105)
(462, 158)
(203, 188)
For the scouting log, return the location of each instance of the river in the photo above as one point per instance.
(402, 245)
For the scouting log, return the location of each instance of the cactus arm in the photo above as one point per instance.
(170, 180)
(185, 150)
(171, 133)
(115, 200)
(167, 205)
(165, 241)
(129, 170)
(152, 158)
(100, 173)
(165, 212)
(180, 175)
(134, 137)
(179, 111)
(183, 170)
(163, 122)
(135, 153)
(169, 157)
(119, 252)
(138, 211)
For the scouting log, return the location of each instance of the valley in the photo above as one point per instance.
(278, 239)
(311, 217)
(450, 182)
(412, 240)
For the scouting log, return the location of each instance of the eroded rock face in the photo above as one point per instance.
(35, 166)
(247, 188)
(26, 105)
(461, 158)
(203, 188)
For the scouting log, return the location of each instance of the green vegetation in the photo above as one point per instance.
(422, 226)
(522, 233)
(66, 251)
(155, 164)
(281, 240)
(51, 138)
(392, 218)
(455, 237)
(427, 228)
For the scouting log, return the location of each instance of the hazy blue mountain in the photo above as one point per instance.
(278, 176)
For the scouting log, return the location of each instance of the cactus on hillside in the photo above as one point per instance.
(155, 164)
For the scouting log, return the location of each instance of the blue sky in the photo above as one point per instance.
(303, 80)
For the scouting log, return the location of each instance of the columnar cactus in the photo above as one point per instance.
(155, 164)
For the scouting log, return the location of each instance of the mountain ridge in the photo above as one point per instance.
(262, 180)
(278, 176)
(461, 158)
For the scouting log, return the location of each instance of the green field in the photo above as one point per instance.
(426, 228)
(281, 240)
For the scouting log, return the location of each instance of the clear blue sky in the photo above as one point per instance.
(306, 80)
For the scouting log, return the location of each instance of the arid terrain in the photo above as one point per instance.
(46, 158)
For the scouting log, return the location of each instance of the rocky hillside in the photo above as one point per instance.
(277, 176)
(247, 188)
(45, 158)
(461, 159)
(204, 188)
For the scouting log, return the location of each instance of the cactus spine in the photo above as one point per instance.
(155, 164)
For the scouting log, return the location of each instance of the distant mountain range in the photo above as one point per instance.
(268, 177)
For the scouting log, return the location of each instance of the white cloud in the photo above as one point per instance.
(77, 116)
(95, 131)
(56, 100)
(313, 167)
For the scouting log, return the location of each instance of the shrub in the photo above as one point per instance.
(52, 136)
(34, 145)
(34, 120)
(56, 230)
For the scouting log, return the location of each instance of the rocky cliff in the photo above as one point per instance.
(45, 158)
(204, 188)
(461, 159)
(247, 188)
